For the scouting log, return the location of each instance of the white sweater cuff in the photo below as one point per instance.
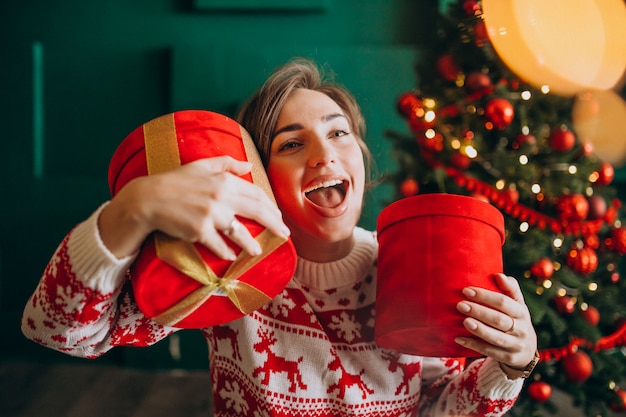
(493, 378)
(92, 261)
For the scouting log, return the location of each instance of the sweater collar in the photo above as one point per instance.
(345, 271)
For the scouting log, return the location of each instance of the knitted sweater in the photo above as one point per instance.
(309, 352)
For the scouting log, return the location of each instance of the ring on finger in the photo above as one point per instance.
(512, 326)
(232, 227)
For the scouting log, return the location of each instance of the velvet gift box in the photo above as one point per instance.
(185, 285)
(431, 246)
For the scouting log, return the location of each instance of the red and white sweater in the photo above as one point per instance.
(309, 352)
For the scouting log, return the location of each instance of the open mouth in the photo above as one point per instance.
(327, 194)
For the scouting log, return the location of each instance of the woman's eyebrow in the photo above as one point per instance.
(332, 116)
(297, 126)
(289, 128)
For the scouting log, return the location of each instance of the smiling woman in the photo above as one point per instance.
(310, 350)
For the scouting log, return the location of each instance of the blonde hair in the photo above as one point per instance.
(260, 114)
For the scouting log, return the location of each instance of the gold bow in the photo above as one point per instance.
(185, 258)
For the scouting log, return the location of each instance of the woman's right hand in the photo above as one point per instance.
(192, 202)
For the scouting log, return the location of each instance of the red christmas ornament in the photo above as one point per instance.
(615, 277)
(500, 112)
(408, 103)
(572, 207)
(539, 391)
(471, 7)
(606, 173)
(409, 187)
(592, 241)
(448, 67)
(583, 261)
(434, 144)
(611, 214)
(592, 315)
(577, 366)
(418, 125)
(597, 207)
(478, 82)
(617, 242)
(562, 139)
(587, 149)
(565, 304)
(521, 140)
(418, 116)
(480, 34)
(619, 404)
(543, 268)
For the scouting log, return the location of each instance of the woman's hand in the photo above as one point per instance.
(501, 323)
(192, 202)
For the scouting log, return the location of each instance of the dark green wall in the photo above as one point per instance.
(77, 76)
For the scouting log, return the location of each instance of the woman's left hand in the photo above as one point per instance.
(501, 323)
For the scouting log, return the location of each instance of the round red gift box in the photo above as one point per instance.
(159, 287)
(431, 246)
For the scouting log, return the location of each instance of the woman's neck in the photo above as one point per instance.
(317, 250)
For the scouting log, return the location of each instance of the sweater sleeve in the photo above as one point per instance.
(481, 389)
(83, 304)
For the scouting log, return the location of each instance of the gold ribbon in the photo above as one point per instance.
(185, 258)
(162, 154)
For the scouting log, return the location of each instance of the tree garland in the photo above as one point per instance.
(526, 214)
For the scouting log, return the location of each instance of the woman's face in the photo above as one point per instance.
(317, 172)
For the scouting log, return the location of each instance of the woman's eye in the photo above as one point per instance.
(339, 133)
(288, 145)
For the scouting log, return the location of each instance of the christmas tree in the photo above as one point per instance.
(479, 128)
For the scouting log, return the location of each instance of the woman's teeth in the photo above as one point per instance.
(325, 184)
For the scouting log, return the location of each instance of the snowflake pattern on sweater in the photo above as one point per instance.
(309, 352)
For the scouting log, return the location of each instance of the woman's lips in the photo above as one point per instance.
(327, 194)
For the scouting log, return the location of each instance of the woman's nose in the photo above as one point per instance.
(322, 153)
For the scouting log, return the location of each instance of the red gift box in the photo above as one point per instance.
(431, 246)
(185, 285)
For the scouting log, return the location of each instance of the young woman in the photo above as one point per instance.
(310, 351)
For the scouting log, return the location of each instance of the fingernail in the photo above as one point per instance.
(469, 292)
(459, 341)
(230, 256)
(471, 325)
(286, 231)
(463, 307)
